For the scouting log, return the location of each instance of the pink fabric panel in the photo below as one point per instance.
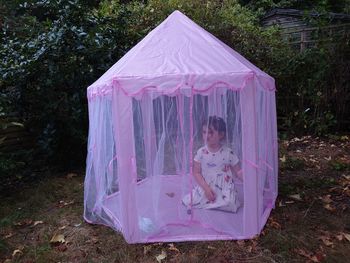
(274, 155)
(249, 155)
(123, 128)
(178, 49)
(172, 84)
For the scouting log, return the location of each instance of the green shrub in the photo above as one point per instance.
(52, 50)
(50, 60)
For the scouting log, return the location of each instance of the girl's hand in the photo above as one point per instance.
(238, 171)
(209, 194)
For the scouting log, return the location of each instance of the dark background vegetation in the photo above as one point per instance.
(50, 51)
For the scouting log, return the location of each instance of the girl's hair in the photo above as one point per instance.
(215, 123)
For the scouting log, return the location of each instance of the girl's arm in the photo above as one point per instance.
(236, 169)
(209, 193)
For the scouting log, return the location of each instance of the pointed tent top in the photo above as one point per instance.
(179, 47)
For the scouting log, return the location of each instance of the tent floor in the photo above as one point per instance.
(169, 220)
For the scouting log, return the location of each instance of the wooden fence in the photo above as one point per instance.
(304, 37)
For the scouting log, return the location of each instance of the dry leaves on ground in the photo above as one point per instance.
(57, 238)
(161, 256)
(273, 223)
(313, 257)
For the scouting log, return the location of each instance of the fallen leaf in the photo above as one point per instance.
(77, 225)
(276, 225)
(17, 124)
(2, 139)
(346, 177)
(347, 236)
(170, 194)
(249, 249)
(57, 238)
(273, 223)
(161, 256)
(37, 223)
(62, 227)
(71, 175)
(340, 237)
(289, 202)
(330, 208)
(296, 139)
(280, 204)
(63, 203)
(16, 251)
(326, 240)
(344, 183)
(283, 159)
(25, 222)
(173, 248)
(326, 199)
(306, 254)
(344, 138)
(9, 235)
(296, 197)
(146, 249)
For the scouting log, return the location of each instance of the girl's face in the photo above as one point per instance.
(211, 136)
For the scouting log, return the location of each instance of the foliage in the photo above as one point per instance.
(262, 6)
(319, 78)
(50, 51)
(312, 85)
(13, 168)
(50, 61)
(8, 166)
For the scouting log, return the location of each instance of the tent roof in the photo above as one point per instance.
(179, 51)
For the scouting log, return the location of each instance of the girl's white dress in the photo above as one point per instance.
(215, 169)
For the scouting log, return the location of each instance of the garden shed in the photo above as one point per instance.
(300, 33)
(149, 116)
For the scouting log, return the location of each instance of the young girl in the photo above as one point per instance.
(213, 169)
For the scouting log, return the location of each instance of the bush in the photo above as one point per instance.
(52, 50)
(315, 89)
(52, 67)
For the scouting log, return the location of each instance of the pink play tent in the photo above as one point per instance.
(148, 114)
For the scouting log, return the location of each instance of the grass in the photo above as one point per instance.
(339, 165)
(292, 233)
(292, 164)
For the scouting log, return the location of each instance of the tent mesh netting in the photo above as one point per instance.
(182, 140)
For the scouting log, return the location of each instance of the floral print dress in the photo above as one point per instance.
(215, 169)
